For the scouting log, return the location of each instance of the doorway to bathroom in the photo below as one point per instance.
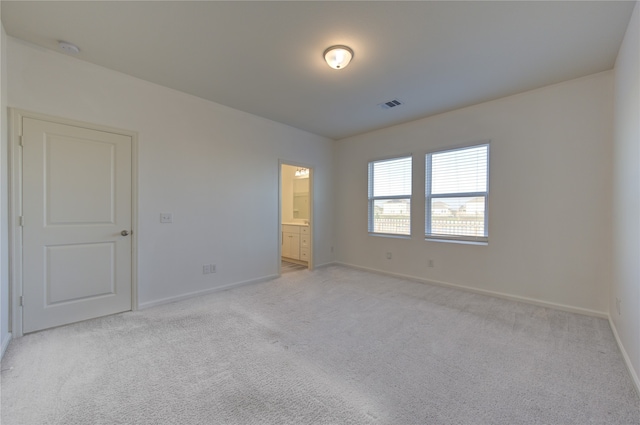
(296, 217)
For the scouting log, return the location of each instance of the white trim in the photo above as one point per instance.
(429, 196)
(625, 356)
(462, 242)
(389, 235)
(281, 162)
(371, 199)
(15, 206)
(134, 221)
(167, 300)
(15, 231)
(5, 344)
(15, 211)
(323, 265)
(547, 304)
(279, 250)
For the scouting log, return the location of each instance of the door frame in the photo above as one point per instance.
(15, 207)
(282, 162)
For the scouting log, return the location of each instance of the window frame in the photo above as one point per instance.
(371, 199)
(480, 240)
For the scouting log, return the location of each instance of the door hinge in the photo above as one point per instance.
(21, 221)
(21, 301)
(20, 140)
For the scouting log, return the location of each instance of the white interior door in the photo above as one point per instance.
(76, 194)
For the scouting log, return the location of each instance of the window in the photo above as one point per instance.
(390, 196)
(457, 186)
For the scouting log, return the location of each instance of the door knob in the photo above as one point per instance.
(124, 233)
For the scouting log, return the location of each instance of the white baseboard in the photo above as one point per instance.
(181, 297)
(527, 300)
(319, 266)
(625, 356)
(5, 344)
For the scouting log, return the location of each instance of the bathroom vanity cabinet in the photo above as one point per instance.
(295, 241)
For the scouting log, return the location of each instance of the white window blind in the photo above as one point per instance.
(390, 196)
(456, 190)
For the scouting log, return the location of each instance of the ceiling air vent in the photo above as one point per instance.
(390, 104)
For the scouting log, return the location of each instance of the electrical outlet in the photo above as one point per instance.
(430, 263)
(389, 256)
(166, 218)
(208, 268)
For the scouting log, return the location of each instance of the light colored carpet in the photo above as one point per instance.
(332, 346)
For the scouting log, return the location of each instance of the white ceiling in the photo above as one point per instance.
(265, 57)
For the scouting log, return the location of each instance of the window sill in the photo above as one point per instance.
(462, 242)
(390, 235)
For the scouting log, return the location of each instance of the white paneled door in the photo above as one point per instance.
(76, 236)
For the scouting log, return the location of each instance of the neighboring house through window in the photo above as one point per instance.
(456, 191)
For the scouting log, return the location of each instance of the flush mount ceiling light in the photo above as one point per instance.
(68, 47)
(302, 172)
(338, 57)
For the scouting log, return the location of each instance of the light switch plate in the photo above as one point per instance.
(166, 218)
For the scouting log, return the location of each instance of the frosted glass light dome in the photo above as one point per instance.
(338, 57)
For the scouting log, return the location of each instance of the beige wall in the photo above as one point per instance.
(626, 199)
(550, 207)
(549, 202)
(213, 167)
